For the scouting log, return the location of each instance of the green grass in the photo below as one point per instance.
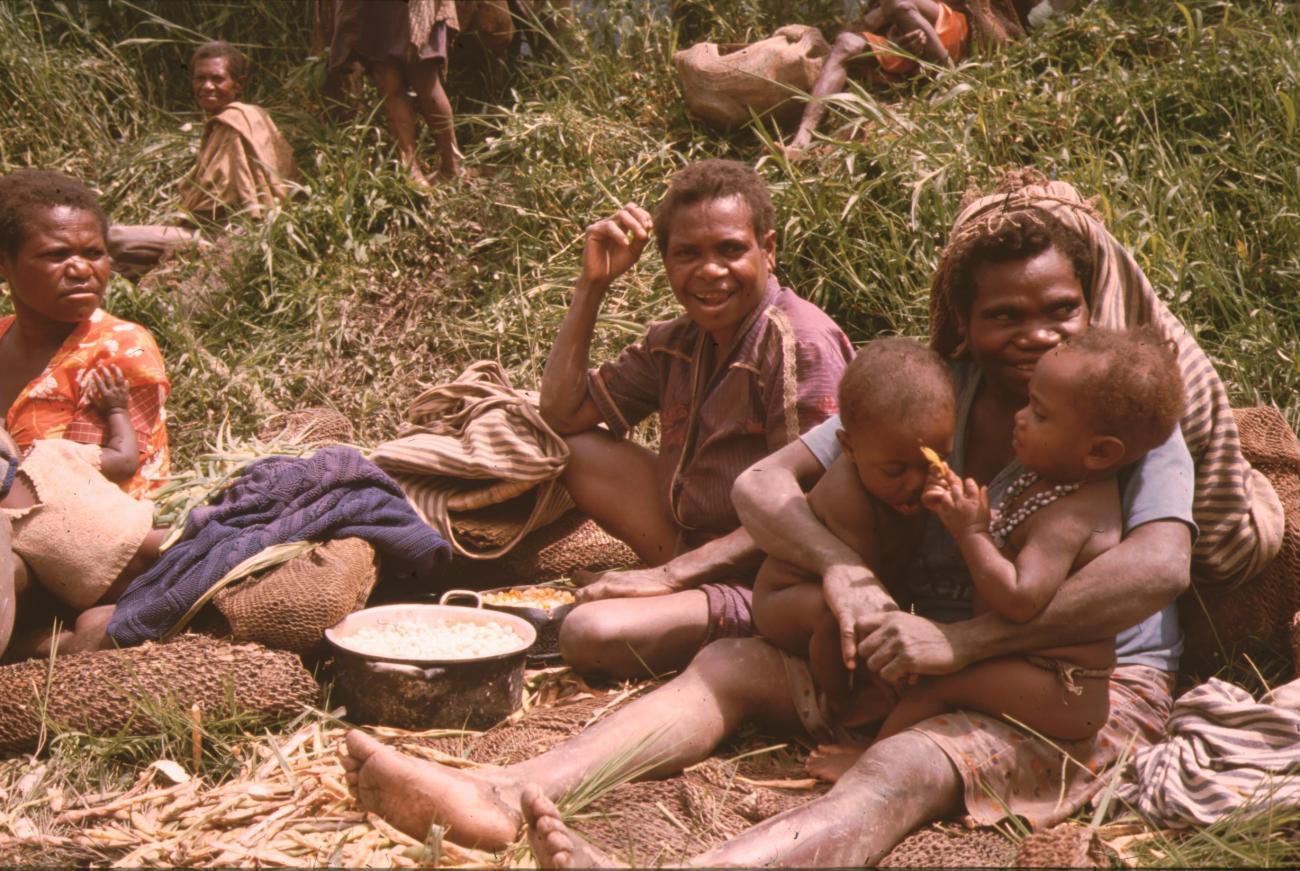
(1181, 118)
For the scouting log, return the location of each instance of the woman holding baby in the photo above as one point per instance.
(84, 439)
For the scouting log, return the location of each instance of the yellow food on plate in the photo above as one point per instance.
(935, 460)
(546, 598)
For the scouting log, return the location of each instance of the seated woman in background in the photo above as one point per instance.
(59, 346)
(243, 166)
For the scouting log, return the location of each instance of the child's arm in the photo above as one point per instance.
(120, 454)
(1017, 590)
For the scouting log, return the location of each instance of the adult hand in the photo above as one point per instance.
(614, 245)
(900, 645)
(630, 583)
(854, 595)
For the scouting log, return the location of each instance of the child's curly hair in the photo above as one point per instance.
(1135, 386)
(1015, 231)
(894, 379)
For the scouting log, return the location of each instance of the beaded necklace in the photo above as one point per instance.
(1003, 524)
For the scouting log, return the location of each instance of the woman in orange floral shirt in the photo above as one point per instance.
(55, 260)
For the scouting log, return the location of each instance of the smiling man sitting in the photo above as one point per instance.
(242, 167)
(746, 369)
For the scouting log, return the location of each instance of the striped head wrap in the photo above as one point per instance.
(1236, 509)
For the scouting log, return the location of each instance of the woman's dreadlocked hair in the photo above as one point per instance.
(1015, 230)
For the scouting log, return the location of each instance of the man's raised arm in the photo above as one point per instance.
(612, 246)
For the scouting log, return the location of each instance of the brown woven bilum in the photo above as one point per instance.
(307, 426)
(290, 606)
(1063, 846)
(945, 847)
(113, 692)
(1259, 614)
(555, 551)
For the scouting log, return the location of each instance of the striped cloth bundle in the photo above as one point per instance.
(1223, 752)
(1239, 515)
(478, 463)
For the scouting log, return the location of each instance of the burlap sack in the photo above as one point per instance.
(1260, 614)
(723, 88)
(291, 606)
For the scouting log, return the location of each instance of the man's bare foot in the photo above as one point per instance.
(829, 761)
(553, 845)
(478, 809)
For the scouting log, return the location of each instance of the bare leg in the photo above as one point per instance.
(674, 726)
(615, 483)
(918, 15)
(431, 97)
(1008, 687)
(830, 81)
(399, 113)
(635, 638)
(788, 604)
(895, 787)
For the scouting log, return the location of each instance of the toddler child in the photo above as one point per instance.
(895, 396)
(81, 538)
(1097, 404)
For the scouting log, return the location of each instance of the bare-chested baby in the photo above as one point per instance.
(1096, 405)
(895, 397)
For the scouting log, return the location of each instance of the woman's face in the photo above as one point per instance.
(60, 270)
(1022, 309)
(214, 87)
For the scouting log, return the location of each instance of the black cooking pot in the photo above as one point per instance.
(546, 622)
(414, 693)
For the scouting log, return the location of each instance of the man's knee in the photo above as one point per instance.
(588, 633)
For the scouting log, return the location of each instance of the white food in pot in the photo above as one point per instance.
(440, 639)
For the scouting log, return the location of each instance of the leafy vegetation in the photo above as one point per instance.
(1180, 117)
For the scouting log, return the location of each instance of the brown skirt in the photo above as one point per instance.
(371, 31)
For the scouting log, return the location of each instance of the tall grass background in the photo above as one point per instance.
(1180, 117)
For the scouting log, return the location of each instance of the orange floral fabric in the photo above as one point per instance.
(56, 405)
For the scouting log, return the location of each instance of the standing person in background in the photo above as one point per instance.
(403, 46)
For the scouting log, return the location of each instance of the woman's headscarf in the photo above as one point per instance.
(1235, 507)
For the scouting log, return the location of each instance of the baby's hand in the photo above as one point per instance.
(109, 391)
(961, 505)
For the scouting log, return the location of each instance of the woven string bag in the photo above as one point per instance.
(117, 692)
(1260, 614)
(290, 606)
(570, 544)
(307, 426)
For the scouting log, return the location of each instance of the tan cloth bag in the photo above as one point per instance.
(722, 88)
